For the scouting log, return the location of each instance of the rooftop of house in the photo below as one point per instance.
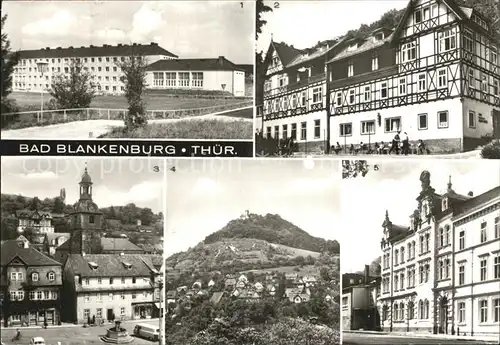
(211, 64)
(96, 51)
(29, 256)
(109, 265)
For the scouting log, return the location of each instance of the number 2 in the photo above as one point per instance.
(276, 4)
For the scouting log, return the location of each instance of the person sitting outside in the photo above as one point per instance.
(395, 144)
(420, 147)
(351, 149)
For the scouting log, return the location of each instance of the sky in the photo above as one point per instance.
(395, 188)
(116, 182)
(203, 196)
(304, 23)
(189, 29)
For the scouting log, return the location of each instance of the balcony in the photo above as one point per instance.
(317, 78)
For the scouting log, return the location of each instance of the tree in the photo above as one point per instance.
(261, 8)
(325, 274)
(134, 70)
(9, 61)
(74, 90)
(34, 204)
(58, 206)
(146, 216)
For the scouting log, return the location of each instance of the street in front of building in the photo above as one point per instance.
(73, 335)
(365, 338)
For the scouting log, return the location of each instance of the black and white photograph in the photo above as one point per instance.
(398, 78)
(422, 263)
(128, 69)
(82, 251)
(252, 252)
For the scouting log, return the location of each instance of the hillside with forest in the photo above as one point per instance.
(125, 217)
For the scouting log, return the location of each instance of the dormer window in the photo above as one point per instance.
(93, 265)
(34, 277)
(353, 46)
(51, 276)
(127, 265)
(444, 204)
(379, 36)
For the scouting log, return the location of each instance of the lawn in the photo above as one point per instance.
(153, 101)
(188, 129)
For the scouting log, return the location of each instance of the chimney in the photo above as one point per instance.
(221, 60)
(154, 43)
(471, 193)
(47, 48)
(367, 274)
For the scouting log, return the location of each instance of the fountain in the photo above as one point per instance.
(117, 335)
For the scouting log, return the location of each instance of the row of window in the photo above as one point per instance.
(25, 62)
(411, 276)
(297, 100)
(181, 79)
(483, 311)
(398, 312)
(19, 276)
(66, 69)
(111, 280)
(34, 295)
(293, 133)
(99, 87)
(483, 269)
(100, 297)
(98, 314)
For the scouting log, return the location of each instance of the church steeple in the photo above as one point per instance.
(449, 184)
(86, 185)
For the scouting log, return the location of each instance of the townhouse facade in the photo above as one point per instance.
(434, 76)
(441, 274)
(31, 285)
(110, 287)
(37, 69)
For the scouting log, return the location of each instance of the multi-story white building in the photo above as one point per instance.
(110, 287)
(100, 61)
(435, 76)
(441, 274)
(217, 74)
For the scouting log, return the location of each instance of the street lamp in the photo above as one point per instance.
(42, 68)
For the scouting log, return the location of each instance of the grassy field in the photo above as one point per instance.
(188, 129)
(153, 101)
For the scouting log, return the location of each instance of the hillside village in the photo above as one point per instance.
(235, 278)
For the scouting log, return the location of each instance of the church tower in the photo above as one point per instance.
(86, 221)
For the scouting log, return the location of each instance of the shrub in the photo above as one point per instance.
(491, 151)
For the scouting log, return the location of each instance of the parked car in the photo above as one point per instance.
(37, 341)
(147, 331)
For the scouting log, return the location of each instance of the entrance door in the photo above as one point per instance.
(109, 314)
(50, 317)
(443, 316)
(32, 320)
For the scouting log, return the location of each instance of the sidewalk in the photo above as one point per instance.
(70, 325)
(489, 338)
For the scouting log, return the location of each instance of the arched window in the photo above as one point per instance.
(385, 313)
(396, 257)
(411, 310)
(402, 251)
(34, 277)
(408, 253)
(51, 276)
(395, 312)
(426, 309)
(420, 309)
(401, 311)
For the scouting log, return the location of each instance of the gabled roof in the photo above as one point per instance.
(216, 64)
(109, 265)
(29, 256)
(95, 51)
(285, 52)
(36, 214)
(54, 235)
(367, 45)
(474, 202)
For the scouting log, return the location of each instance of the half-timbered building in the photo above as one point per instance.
(434, 76)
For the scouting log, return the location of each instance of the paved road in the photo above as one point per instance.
(476, 154)
(72, 335)
(373, 339)
(240, 113)
(81, 130)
